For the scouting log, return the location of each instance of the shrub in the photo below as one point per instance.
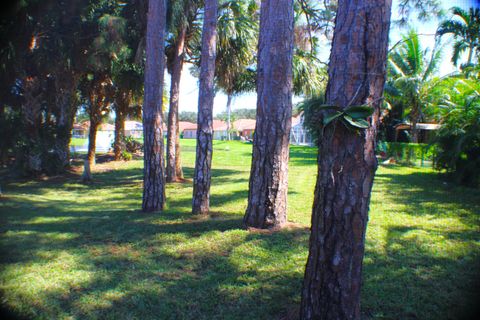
(132, 145)
(127, 156)
(407, 152)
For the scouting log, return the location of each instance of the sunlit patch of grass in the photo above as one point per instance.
(76, 251)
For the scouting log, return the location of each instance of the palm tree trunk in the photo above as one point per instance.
(122, 102)
(267, 196)
(229, 114)
(178, 156)
(153, 171)
(174, 166)
(65, 109)
(32, 120)
(118, 142)
(346, 164)
(203, 161)
(471, 48)
(92, 136)
(415, 117)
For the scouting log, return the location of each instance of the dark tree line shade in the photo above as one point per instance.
(267, 196)
(154, 177)
(346, 163)
(203, 161)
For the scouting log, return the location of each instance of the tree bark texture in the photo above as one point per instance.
(174, 166)
(203, 161)
(65, 109)
(31, 157)
(122, 102)
(97, 101)
(153, 171)
(267, 197)
(92, 143)
(346, 163)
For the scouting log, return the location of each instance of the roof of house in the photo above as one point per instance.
(78, 126)
(133, 125)
(297, 119)
(102, 127)
(219, 125)
(420, 126)
(106, 127)
(185, 125)
(244, 124)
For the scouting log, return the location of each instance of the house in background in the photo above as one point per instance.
(133, 129)
(244, 129)
(425, 131)
(188, 130)
(80, 130)
(219, 130)
(299, 135)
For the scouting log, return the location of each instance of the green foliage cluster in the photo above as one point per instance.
(407, 152)
(458, 139)
(243, 113)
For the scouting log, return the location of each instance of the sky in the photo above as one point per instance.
(189, 84)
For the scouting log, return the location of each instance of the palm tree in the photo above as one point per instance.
(182, 16)
(203, 161)
(153, 171)
(410, 70)
(267, 195)
(237, 39)
(466, 32)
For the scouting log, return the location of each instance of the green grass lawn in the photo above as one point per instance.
(75, 251)
(78, 142)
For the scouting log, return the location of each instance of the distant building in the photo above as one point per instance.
(424, 134)
(133, 129)
(219, 130)
(299, 135)
(80, 130)
(244, 128)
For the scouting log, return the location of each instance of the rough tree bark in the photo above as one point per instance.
(203, 161)
(95, 116)
(174, 165)
(122, 101)
(267, 197)
(346, 163)
(153, 171)
(31, 157)
(65, 109)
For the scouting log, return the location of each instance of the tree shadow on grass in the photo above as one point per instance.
(424, 193)
(184, 269)
(413, 280)
(106, 261)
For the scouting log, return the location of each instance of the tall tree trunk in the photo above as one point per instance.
(31, 156)
(415, 118)
(203, 161)
(122, 101)
(471, 48)
(65, 109)
(229, 114)
(118, 142)
(92, 137)
(267, 196)
(178, 156)
(346, 163)
(153, 171)
(174, 166)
